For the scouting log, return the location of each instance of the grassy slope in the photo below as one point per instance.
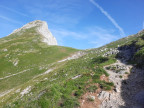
(30, 53)
(59, 89)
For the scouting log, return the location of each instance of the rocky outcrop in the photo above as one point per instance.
(41, 28)
(47, 35)
(128, 91)
(74, 56)
(114, 99)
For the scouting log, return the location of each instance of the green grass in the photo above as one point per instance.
(92, 88)
(31, 54)
(65, 91)
(120, 76)
(99, 60)
(60, 89)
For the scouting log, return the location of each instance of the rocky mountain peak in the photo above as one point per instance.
(141, 32)
(42, 29)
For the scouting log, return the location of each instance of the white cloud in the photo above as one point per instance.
(14, 11)
(109, 17)
(93, 36)
(67, 33)
(59, 12)
(10, 20)
(101, 36)
(62, 34)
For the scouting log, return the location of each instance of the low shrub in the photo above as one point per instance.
(92, 88)
(120, 76)
(70, 102)
(96, 76)
(99, 60)
(100, 70)
(108, 68)
(78, 93)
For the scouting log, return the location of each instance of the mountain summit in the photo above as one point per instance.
(41, 28)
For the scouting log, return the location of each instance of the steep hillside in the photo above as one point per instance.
(23, 54)
(95, 78)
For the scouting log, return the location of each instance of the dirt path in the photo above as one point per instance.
(129, 87)
(116, 75)
(109, 99)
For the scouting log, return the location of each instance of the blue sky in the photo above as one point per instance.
(80, 24)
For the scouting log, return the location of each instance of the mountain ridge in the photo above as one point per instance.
(41, 28)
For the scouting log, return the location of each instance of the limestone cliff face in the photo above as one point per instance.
(48, 37)
(41, 28)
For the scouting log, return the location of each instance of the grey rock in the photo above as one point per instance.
(103, 95)
(42, 29)
(140, 98)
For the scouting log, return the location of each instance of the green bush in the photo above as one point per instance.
(92, 88)
(70, 103)
(44, 103)
(110, 83)
(139, 57)
(100, 70)
(120, 76)
(140, 43)
(108, 68)
(99, 60)
(96, 76)
(106, 85)
(78, 93)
